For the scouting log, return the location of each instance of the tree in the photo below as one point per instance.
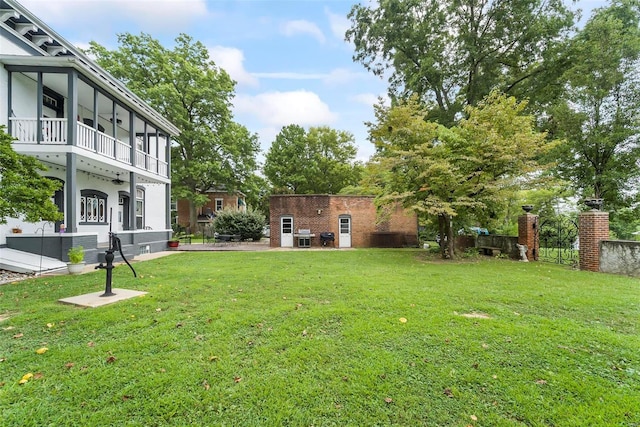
(452, 53)
(185, 86)
(600, 116)
(23, 191)
(320, 161)
(464, 170)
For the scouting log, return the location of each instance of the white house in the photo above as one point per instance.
(110, 149)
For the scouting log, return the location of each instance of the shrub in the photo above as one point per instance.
(76, 254)
(248, 225)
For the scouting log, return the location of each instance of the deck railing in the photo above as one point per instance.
(54, 132)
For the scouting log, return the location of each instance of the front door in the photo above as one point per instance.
(123, 211)
(58, 199)
(286, 232)
(344, 237)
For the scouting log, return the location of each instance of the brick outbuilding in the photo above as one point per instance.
(298, 220)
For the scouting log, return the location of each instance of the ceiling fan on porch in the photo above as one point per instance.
(117, 181)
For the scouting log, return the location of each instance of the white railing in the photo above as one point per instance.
(86, 137)
(54, 131)
(106, 145)
(162, 168)
(141, 159)
(123, 152)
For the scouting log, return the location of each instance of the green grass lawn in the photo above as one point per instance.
(318, 338)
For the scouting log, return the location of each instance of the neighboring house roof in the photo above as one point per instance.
(223, 189)
(63, 53)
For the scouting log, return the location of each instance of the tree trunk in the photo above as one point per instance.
(446, 236)
(450, 237)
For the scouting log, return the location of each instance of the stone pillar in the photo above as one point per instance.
(594, 227)
(528, 234)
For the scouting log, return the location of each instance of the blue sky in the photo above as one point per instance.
(289, 57)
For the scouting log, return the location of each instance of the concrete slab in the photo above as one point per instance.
(95, 300)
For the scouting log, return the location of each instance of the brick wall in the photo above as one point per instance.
(594, 227)
(321, 213)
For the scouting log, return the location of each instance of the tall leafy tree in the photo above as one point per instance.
(320, 161)
(187, 87)
(600, 116)
(452, 53)
(23, 190)
(461, 171)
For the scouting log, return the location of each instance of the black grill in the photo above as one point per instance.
(326, 237)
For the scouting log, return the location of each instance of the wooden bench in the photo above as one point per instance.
(489, 250)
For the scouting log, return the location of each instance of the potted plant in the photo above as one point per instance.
(76, 260)
(174, 242)
(16, 230)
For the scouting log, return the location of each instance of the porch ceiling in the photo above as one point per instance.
(56, 160)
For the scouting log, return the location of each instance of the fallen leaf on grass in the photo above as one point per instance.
(20, 335)
(125, 398)
(25, 378)
(42, 350)
(50, 325)
(206, 385)
(2, 359)
(542, 382)
(448, 392)
(403, 320)
(91, 344)
(69, 365)
(388, 399)
(111, 359)
(213, 359)
(37, 375)
(237, 379)
(473, 417)
(158, 309)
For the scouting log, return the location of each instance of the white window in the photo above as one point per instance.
(93, 207)
(140, 208)
(219, 204)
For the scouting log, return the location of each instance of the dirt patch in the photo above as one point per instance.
(4, 317)
(475, 315)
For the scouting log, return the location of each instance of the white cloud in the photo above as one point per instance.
(334, 77)
(339, 24)
(231, 60)
(370, 99)
(341, 76)
(292, 28)
(276, 109)
(149, 15)
(286, 75)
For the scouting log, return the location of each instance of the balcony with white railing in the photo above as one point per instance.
(54, 132)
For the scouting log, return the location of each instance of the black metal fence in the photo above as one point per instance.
(558, 240)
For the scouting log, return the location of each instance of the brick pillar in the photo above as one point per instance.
(594, 227)
(528, 235)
